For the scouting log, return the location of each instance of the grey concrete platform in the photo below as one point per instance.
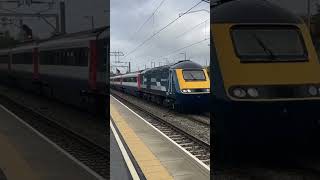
(118, 167)
(25, 154)
(170, 156)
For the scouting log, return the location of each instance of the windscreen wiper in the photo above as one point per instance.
(265, 48)
(193, 78)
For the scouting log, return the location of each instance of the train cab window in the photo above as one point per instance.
(83, 57)
(268, 43)
(22, 58)
(193, 75)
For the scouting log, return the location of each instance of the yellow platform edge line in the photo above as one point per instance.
(147, 161)
(13, 165)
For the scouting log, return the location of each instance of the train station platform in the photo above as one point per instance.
(121, 166)
(27, 154)
(154, 154)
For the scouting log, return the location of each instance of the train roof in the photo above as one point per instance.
(133, 74)
(185, 64)
(252, 11)
(23, 48)
(71, 37)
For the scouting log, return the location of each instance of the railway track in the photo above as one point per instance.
(203, 119)
(197, 147)
(92, 155)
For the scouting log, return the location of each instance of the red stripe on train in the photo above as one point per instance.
(139, 81)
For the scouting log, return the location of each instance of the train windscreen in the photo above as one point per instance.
(268, 44)
(193, 75)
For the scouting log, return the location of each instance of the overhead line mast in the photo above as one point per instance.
(44, 16)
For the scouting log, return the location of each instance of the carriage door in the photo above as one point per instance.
(170, 85)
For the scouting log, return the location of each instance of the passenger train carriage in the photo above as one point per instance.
(71, 67)
(182, 86)
(265, 74)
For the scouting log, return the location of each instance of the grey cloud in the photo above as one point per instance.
(127, 16)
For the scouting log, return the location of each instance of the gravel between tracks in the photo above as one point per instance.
(82, 123)
(186, 122)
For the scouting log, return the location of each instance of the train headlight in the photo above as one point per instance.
(313, 91)
(253, 92)
(184, 91)
(238, 92)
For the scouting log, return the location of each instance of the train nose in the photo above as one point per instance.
(198, 101)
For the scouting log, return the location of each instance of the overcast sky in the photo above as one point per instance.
(75, 12)
(127, 16)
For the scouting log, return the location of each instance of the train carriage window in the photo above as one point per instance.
(69, 57)
(268, 43)
(83, 61)
(193, 75)
(58, 57)
(135, 79)
(76, 56)
(22, 58)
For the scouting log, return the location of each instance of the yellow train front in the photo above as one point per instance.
(265, 74)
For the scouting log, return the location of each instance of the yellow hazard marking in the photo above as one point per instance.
(147, 161)
(12, 163)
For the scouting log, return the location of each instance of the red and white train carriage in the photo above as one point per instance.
(72, 68)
